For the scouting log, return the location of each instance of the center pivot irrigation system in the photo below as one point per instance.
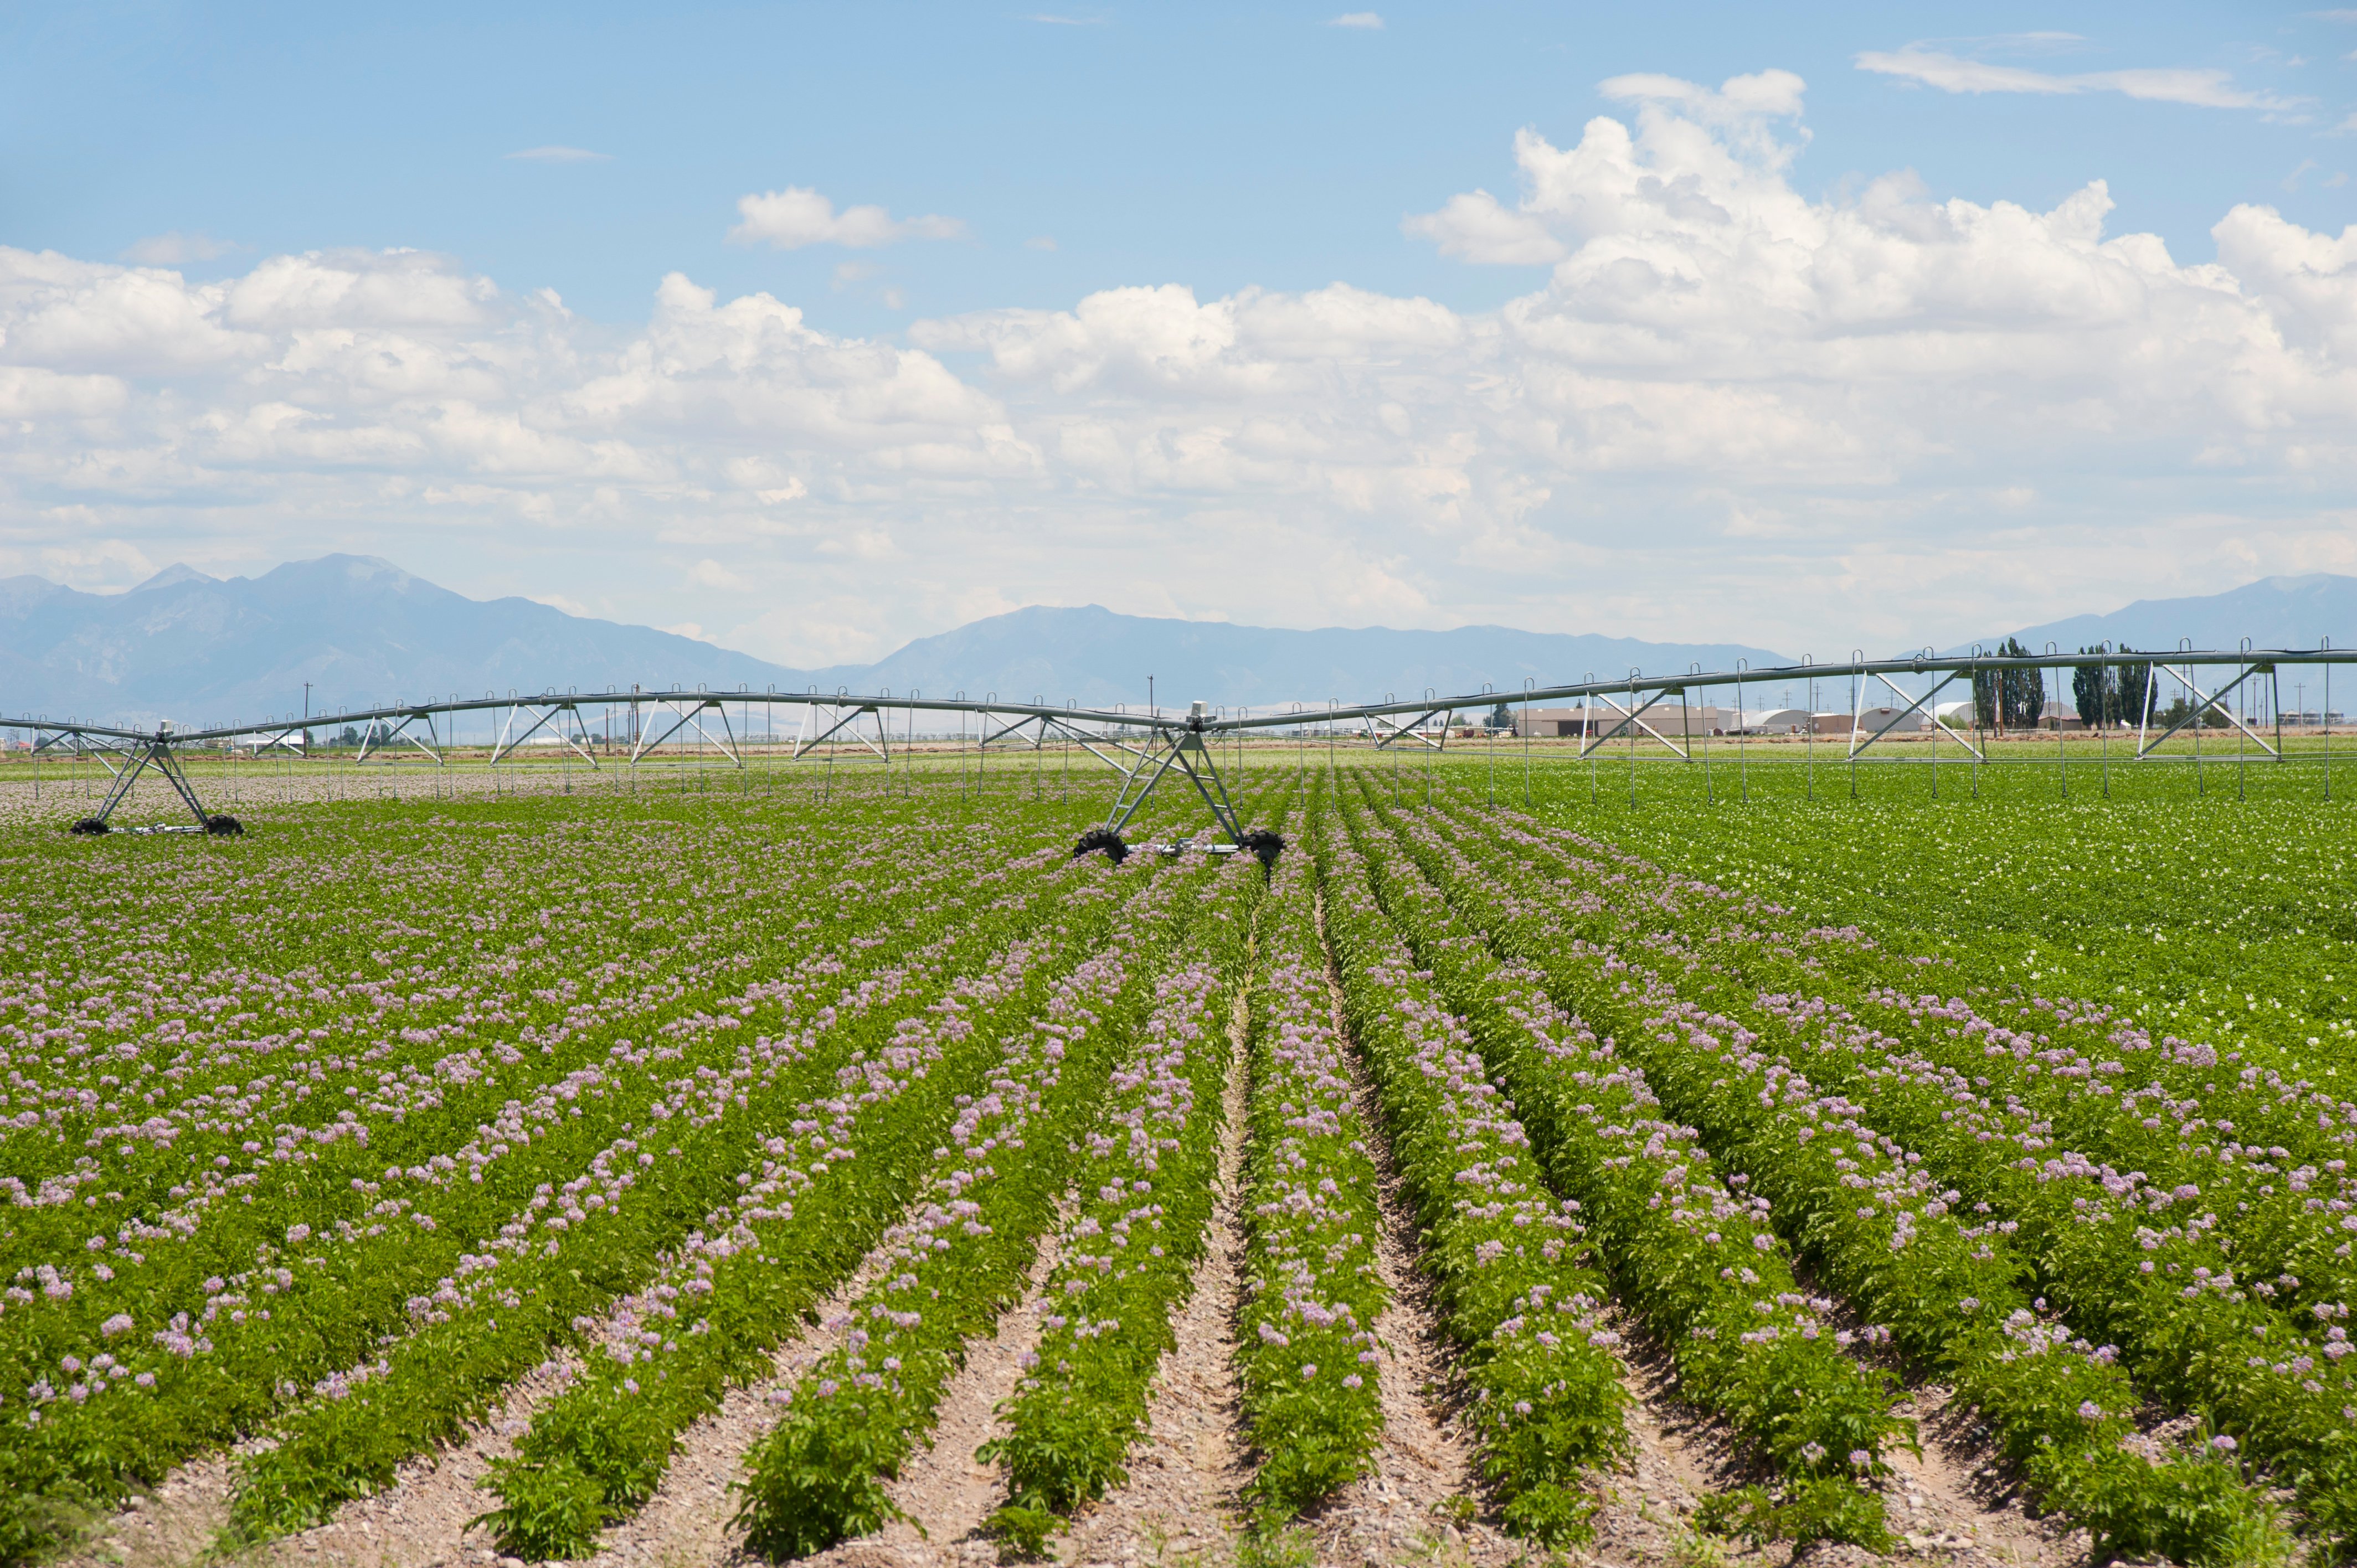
(1146, 749)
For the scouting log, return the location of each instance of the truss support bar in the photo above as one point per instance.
(156, 751)
(433, 751)
(124, 776)
(508, 741)
(1636, 715)
(1412, 730)
(1008, 730)
(2144, 748)
(1857, 745)
(1185, 752)
(379, 737)
(169, 765)
(91, 747)
(847, 721)
(687, 719)
(1088, 743)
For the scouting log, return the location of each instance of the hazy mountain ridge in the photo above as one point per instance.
(197, 649)
(1098, 658)
(2291, 612)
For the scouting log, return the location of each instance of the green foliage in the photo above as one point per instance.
(1549, 1514)
(1688, 1251)
(2010, 699)
(958, 1260)
(549, 1509)
(820, 1476)
(1307, 1350)
(1507, 1255)
(1797, 1053)
(316, 1125)
(1128, 1246)
(1808, 1510)
(1026, 1529)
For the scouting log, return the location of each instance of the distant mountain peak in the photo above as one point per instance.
(177, 572)
(372, 569)
(2286, 612)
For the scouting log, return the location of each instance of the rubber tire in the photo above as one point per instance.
(1115, 849)
(224, 825)
(1265, 844)
(89, 827)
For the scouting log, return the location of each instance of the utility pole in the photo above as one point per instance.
(306, 718)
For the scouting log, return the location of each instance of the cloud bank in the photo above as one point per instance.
(1723, 406)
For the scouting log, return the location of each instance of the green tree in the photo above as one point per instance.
(2093, 691)
(2133, 680)
(2010, 699)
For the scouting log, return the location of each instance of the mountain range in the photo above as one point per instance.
(362, 632)
(198, 650)
(2274, 612)
(201, 650)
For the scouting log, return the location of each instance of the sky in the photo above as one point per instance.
(808, 330)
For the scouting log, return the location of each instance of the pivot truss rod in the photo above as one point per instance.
(1145, 748)
(156, 751)
(1180, 751)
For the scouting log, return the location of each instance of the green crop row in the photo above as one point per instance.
(1128, 1246)
(2154, 1268)
(1879, 1230)
(958, 1260)
(568, 1261)
(1508, 1259)
(1307, 1351)
(149, 1385)
(1692, 1256)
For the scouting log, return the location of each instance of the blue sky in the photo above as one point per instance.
(1033, 169)
(1217, 147)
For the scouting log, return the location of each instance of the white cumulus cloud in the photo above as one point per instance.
(1723, 406)
(799, 216)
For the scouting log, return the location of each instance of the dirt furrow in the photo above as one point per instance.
(947, 1493)
(1422, 1499)
(687, 1519)
(1181, 1501)
(419, 1521)
(174, 1525)
(1955, 1503)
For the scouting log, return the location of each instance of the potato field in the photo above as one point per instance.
(671, 1176)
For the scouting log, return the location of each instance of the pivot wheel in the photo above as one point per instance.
(223, 824)
(1264, 844)
(89, 825)
(1115, 849)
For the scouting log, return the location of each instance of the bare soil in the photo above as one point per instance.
(687, 1519)
(1421, 1501)
(1181, 1501)
(419, 1522)
(944, 1488)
